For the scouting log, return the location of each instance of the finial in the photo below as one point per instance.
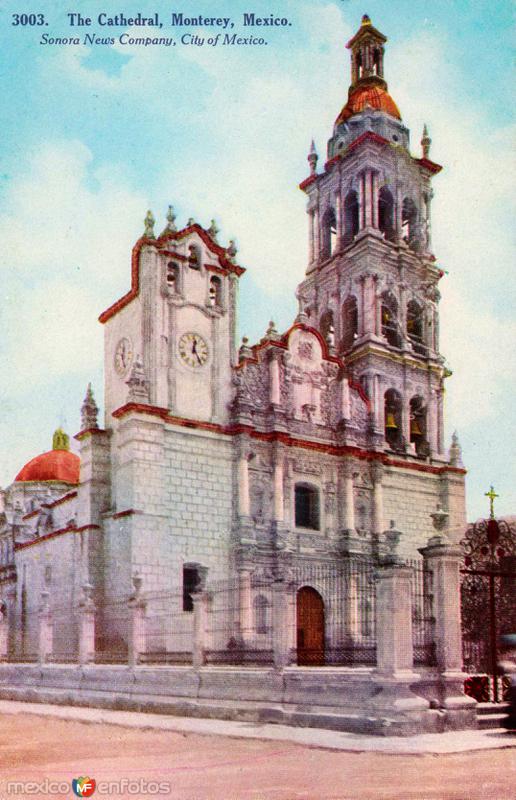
(213, 230)
(312, 158)
(232, 249)
(244, 351)
(89, 410)
(392, 538)
(170, 227)
(492, 495)
(439, 518)
(425, 142)
(60, 440)
(138, 383)
(149, 225)
(271, 330)
(190, 222)
(455, 455)
(366, 19)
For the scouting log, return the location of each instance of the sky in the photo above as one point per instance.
(93, 136)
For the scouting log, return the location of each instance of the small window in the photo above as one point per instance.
(194, 257)
(261, 614)
(190, 583)
(173, 273)
(307, 507)
(215, 291)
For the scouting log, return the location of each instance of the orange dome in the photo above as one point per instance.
(56, 465)
(375, 96)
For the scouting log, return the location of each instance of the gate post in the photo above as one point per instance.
(281, 613)
(4, 632)
(45, 637)
(200, 614)
(443, 561)
(399, 708)
(137, 609)
(87, 626)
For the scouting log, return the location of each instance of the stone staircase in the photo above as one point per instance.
(491, 715)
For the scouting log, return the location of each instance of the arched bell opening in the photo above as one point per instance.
(327, 328)
(386, 214)
(418, 425)
(310, 627)
(415, 327)
(409, 222)
(351, 217)
(390, 325)
(393, 419)
(329, 233)
(349, 322)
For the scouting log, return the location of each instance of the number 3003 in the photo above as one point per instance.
(28, 19)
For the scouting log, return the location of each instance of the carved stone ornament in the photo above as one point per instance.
(305, 350)
(251, 386)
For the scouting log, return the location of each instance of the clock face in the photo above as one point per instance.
(193, 350)
(123, 356)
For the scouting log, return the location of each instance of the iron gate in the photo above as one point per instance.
(487, 600)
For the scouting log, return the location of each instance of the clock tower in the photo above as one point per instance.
(176, 326)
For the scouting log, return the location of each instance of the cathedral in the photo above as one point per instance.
(216, 464)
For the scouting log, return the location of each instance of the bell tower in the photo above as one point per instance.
(371, 281)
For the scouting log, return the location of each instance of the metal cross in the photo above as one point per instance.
(491, 494)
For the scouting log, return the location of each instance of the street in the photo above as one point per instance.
(42, 756)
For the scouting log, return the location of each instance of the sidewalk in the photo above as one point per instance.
(428, 743)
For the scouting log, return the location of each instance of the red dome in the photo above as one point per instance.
(56, 465)
(375, 96)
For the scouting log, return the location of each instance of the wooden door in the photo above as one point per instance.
(310, 627)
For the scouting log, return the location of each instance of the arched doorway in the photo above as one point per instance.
(310, 627)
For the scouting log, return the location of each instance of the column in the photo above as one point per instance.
(369, 322)
(405, 417)
(274, 377)
(137, 609)
(432, 422)
(377, 471)
(340, 222)
(244, 504)
(45, 638)
(362, 202)
(278, 509)
(377, 404)
(394, 620)
(399, 214)
(443, 560)
(200, 602)
(344, 398)
(316, 236)
(311, 236)
(348, 497)
(281, 618)
(368, 198)
(87, 626)
(4, 631)
(374, 199)
(246, 611)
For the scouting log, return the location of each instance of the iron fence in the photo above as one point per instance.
(311, 614)
(423, 621)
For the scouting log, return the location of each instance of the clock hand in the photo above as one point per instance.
(198, 359)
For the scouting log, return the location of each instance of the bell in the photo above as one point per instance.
(390, 422)
(415, 430)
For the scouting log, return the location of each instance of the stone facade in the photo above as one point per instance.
(314, 446)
